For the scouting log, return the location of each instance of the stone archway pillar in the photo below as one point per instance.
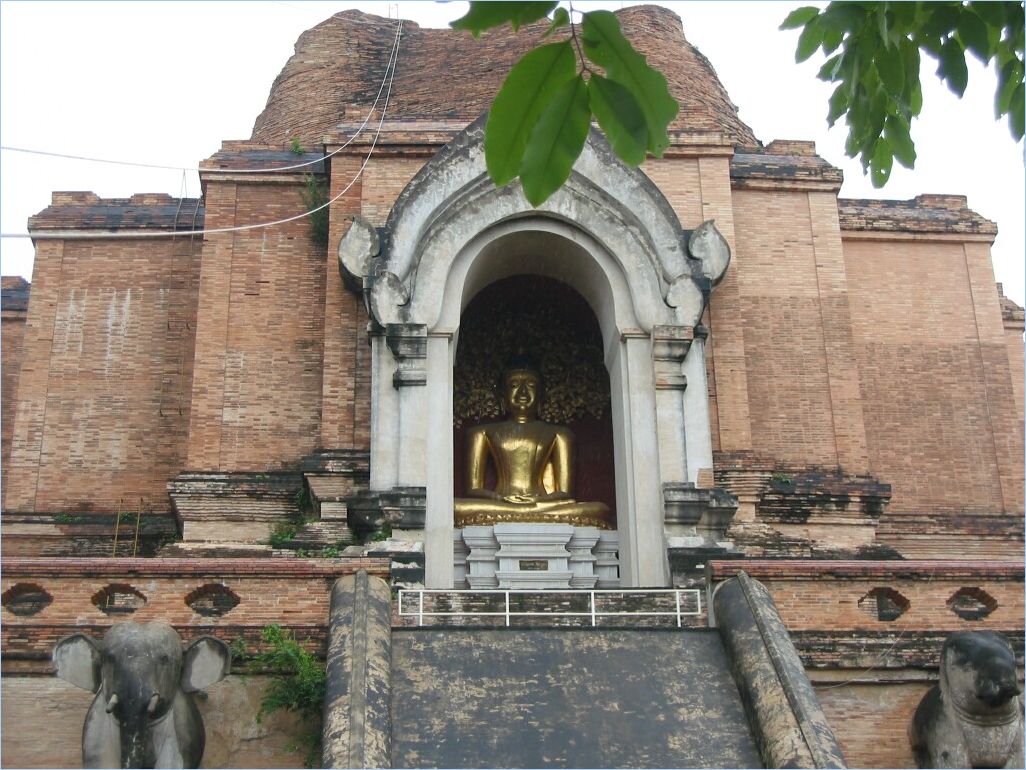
(438, 524)
(641, 532)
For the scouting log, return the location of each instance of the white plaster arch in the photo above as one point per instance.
(611, 235)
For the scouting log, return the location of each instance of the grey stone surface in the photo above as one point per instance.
(789, 725)
(972, 717)
(565, 698)
(143, 714)
(357, 723)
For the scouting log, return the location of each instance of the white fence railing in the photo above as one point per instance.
(687, 602)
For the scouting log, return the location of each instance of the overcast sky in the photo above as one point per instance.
(165, 83)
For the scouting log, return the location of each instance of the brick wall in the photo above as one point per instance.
(383, 180)
(781, 314)
(104, 390)
(259, 355)
(1014, 319)
(13, 309)
(942, 424)
(871, 720)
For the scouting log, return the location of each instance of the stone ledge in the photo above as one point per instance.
(799, 569)
(922, 214)
(88, 211)
(15, 568)
(883, 651)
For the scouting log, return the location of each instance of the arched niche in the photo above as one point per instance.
(551, 323)
(611, 235)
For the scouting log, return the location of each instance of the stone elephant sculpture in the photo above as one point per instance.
(143, 714)
(973, 716)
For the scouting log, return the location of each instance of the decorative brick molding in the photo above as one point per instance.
(825, 595)
(290, 592)
(823, 604)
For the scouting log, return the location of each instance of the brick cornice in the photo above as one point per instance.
(798, 569)
(18, 567)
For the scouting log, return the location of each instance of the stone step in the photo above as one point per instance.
(321, 534)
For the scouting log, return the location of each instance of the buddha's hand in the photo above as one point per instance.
(557, 495)
(520, 499)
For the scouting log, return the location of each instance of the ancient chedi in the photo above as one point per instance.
(753, 368)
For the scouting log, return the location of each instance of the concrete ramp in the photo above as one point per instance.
(565, 698)
(735, 696)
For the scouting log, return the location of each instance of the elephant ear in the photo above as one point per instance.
(77, 660)
(206, 661)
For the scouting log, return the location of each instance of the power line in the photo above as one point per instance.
(171, 234)
(277, 169)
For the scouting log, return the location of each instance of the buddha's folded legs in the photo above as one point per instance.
(471, 511)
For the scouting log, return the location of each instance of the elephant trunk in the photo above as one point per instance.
(134, 707)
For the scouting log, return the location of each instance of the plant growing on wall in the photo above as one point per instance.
(315, 195)
(297, 685)
(282, 534)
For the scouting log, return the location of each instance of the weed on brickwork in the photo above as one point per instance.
(315, 195)
(282, 535)
(297, 685)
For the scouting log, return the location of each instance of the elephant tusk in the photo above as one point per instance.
(152, 705)
(112, 702)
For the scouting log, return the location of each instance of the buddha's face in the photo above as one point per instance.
(521, 394)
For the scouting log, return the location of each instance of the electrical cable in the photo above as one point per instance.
(172, 234)
(277, 169)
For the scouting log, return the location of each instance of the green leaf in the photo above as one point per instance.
(842, 17)
(916, 102)
(831, 40)
(556, 142)
(891, 69)
(897, 133)
(524, 95)
(881, 20)
(485, 15)
(561, 18)
(993, 14)
(952, 66)
(1009, 77)
(973, 33)
(799, 17)
(620, 117)
(838, 104)
(605, 45)
(1015, 113)
(881, 164)
(808, 41)
(941, 20)
(830, 68)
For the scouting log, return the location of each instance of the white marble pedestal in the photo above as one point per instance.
(535, 556)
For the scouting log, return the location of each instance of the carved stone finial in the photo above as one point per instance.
(711, 249)
(972, 717)
(358, 246)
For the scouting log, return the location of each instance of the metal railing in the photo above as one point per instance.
(681, 609)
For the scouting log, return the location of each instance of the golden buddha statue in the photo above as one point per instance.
(533, 462)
